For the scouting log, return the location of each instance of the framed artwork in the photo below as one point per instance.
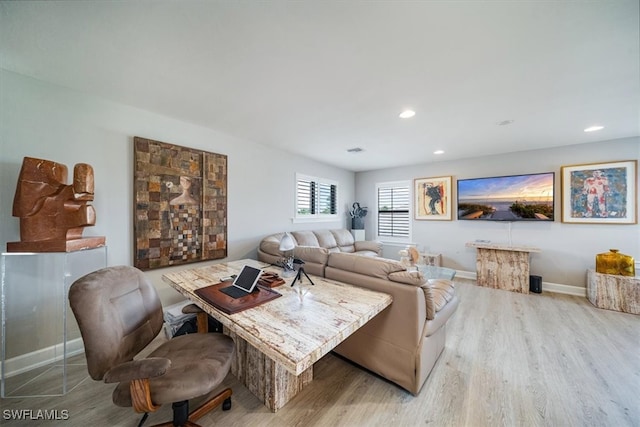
(600, 193)
(432, 198)
(180, 205)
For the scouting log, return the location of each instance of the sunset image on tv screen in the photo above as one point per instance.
(507, 198)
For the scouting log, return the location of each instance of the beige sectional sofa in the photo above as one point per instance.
(403, 342)
(314, 247)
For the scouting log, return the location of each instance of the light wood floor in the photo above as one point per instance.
(510, 360)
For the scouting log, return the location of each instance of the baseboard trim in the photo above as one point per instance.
(559, 288)
(45, 356)
(556, 288)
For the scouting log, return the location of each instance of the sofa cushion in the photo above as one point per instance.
(437, 293)
(344, 240)
(375, 267)
(326, 239)
(305, 238)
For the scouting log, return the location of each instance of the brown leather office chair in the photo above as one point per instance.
(119, 314)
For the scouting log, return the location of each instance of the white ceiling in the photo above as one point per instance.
(316, 78)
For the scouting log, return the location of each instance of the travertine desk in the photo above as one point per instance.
(278, 342)
(502, 266)
(613, 292)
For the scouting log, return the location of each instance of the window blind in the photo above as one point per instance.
(393, 211)
(315, 197)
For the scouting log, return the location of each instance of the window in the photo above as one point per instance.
(316, 198)
(393, 210)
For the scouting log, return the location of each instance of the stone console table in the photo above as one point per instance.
(502, 266)
(613, 292)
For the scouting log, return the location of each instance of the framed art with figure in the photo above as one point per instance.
(432, 198)
(180, 205)
(600, 193)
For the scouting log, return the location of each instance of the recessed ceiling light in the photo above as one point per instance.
(594, 128)
(407, 113)
(438, 152)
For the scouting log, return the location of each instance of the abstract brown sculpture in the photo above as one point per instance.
(52, 213)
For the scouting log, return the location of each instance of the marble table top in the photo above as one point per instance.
(502, 247)
(300, 327)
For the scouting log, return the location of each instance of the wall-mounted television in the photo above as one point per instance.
(507, 198)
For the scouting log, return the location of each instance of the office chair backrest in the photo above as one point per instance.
(118, 312)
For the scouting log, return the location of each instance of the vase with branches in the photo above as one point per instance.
(357, 214)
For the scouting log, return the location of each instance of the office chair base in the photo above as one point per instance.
(181, 408)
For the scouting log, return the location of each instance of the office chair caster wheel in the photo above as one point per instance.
(226, 405)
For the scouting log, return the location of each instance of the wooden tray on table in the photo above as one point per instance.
(270, 280)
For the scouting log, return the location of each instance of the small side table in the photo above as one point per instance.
(613, 292)
(432, 259)
(435, 272)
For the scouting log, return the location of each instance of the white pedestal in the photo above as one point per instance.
(358, 235)
(39, 332)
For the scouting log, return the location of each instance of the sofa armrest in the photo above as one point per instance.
(437, 294)
(271, 247)
(369, 245)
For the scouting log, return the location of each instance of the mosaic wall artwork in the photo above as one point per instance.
(180, 205)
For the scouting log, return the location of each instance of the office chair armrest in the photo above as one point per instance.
(201, 316)
(191, 308)
(138, 369)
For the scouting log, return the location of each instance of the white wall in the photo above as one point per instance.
(568, 250)
(45, 121)
(38, 119)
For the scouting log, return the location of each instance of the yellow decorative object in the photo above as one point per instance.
(613, 262)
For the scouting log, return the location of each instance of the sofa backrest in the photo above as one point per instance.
(340, 240)
(436, 293)
(375, 267)
(305, 238)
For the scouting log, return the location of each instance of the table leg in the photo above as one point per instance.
(269, 381)
(501, 269)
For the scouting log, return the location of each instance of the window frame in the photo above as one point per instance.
(391, 184)
(315, 216)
